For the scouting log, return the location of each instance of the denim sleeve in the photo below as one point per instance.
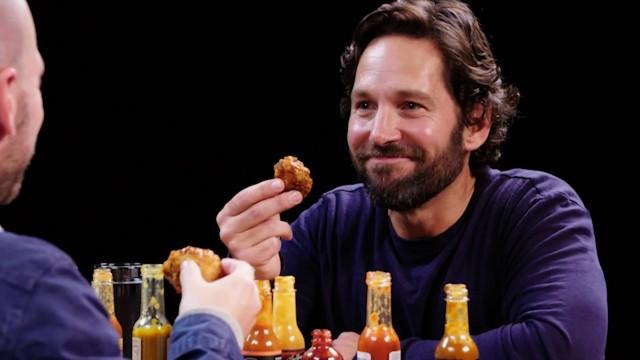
(62, 318)
(203, 336)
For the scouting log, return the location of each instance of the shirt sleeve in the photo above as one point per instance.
(203, 335)
(554, 302)
(64, 319)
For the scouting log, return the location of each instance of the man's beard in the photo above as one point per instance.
(10, 184)
(432, 174)
(15, 160)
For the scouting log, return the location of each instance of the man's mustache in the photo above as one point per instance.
(391, 150)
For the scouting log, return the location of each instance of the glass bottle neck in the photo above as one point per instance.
(284, 306)
(379, 305)
(152, 301)
(264, 319)
(320, 342)
(102, 283)
(457, 317)
(104, 290)
(321, 338)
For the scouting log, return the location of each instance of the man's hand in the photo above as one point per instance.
(251, 228)
(347, 344)
(236, 293)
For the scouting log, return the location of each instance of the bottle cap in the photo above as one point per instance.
(378, 278)
(455, 292)
(284, 283)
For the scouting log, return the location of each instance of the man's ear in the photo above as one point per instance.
(477, 132)
(7, 103)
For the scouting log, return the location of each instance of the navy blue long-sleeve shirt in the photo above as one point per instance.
(524, 247)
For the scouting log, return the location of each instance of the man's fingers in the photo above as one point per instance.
(261, 253)
(259, 213)
(251, 195)
(254, 236)
(238, 268)
(347, 344)
(189, 275)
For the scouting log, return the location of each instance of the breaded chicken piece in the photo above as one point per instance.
(295, 175)
(206, 259)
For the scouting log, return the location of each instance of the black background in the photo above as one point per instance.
(156, 114)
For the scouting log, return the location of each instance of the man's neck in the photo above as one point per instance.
(438, 214)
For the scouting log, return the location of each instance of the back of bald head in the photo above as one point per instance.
(14, 18)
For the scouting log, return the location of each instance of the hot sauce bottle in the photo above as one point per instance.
(284, 318)
(262, 342)
(321, 348)
(151, 331)
(102, 283)
(378, 340)
(456, 343)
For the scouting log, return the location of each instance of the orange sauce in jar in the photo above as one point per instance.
(151, 342)
(379, 341)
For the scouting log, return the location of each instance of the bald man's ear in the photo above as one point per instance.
(477, 132)
(7, 104)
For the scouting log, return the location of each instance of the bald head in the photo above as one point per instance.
(16, 26)
(21, 112)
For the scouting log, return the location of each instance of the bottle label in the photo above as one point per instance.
(262, 355)
(292, 354)
(136, 348)
(361, 355)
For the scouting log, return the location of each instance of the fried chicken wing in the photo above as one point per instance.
(295, 175)
(206, 259)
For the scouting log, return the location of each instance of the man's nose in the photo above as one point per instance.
(385, 127)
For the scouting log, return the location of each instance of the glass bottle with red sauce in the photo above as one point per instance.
(321, 348)
(102, 283)
(262, 342)
(378, 340)
(456, 343)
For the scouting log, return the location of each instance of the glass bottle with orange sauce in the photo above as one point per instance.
(262, 342)
(456, 343)
(151, 331)
(321, 348)
(102, 283)
(284, 318)
(378, 340)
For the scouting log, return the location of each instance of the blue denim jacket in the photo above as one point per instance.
(203, 336)
(49, 311)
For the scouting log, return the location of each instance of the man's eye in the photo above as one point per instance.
(363, 105)
(410, 105)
